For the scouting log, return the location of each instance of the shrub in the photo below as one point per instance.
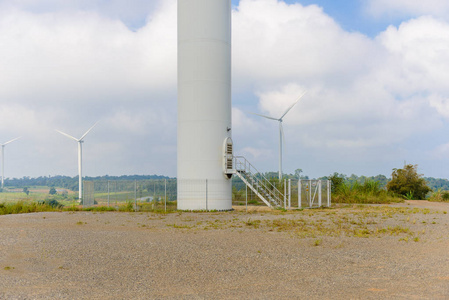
(408, 183)
(439, 196)
(337, 181)
(52, 203)
(368, 192)
(52, 191)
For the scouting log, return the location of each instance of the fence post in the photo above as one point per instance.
(285, 193)
(246, 197)
(329, 193)
(319, 193)
(207, 207)
(289, 193)
(299, 193)
(135, 195)
(310, 192)
(165, 205)
(108, 193)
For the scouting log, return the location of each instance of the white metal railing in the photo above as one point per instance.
(257, 182)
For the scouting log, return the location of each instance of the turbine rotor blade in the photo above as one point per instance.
(265, 116)
(84, 135)
(67, 135)
(11, 141)
(292, 105)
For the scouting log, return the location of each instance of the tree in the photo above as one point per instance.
(408, 183)
(26, 191)
(52, 191)
(336, 181)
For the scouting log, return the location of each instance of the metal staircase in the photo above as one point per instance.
(261, 186)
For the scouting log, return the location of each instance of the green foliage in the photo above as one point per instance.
(437, 183)
(22, 207)
(52, 203)
(52, 191)
(337, 180)
(408, 183)
(128, 207)
(26, 191)
(71, 183)
(368, 192)
(439, 196)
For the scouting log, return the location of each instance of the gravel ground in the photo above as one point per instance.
(361, 252)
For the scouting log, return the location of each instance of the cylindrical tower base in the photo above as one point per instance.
(204, 103)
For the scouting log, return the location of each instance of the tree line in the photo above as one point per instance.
(71, 183)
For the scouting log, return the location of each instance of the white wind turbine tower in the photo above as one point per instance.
(3, 158)
(281, 131)
(80, 158)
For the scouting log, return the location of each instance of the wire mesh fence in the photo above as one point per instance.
(314, 193)
(295, 193)
(129, 192)
(159, 193)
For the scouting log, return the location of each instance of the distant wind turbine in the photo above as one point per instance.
(3, 159)
(80, 158)
(281, 131)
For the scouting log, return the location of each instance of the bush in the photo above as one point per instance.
(337, 181)
(22, 207)
(408, 183)
(439, 196)
(52, 203)
(368, 192)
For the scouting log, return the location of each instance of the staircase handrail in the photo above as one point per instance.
(248, 167)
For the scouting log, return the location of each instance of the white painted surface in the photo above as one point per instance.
(204, 103)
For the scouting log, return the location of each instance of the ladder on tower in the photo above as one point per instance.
(260, 185)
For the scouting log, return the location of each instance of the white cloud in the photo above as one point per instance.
(440, 103)
(68, 68)
(419, 54)
(68, 64)
(363, 93)
(256, 153)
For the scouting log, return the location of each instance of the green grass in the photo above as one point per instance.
(367, 193)
(22, 207)
(439, 196)
(50, 205)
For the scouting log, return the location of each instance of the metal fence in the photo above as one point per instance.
(314, 193)
(296, 193)
(116, 193)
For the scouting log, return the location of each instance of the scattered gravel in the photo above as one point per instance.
(400, 252)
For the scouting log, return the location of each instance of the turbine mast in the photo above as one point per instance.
(80, 159)
(80, 170)
(3, 164)
(3, 159)
(280, 150)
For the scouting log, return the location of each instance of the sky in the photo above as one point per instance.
(375, 73)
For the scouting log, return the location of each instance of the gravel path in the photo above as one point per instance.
(362, 252)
